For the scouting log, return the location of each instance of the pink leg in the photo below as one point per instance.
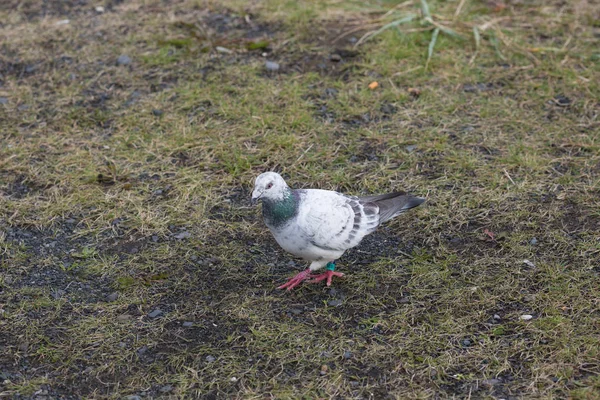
(296, 280)
(326, 275)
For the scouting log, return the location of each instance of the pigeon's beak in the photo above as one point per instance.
(256, 195)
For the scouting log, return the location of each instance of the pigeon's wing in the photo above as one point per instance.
(332, 221)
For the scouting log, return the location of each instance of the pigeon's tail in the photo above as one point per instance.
(392, 204)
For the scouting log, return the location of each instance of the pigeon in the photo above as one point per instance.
(320, 225)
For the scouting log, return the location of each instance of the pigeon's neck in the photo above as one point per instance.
(278, 212)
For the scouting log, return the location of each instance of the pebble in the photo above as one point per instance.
(347, 354)
(466, 343)
(155, 313)
(529, 263)
(133, 397)
(123, 60)
(142, 350)
(562, 101)
(533, 241)
(331, 92)
(335, 58)
(3, 100)
(183, 235)
(272, 66)
(335, 303)
(497, 317)
(526, 317)
(157, 113)
(63, 22)
(166, 389)
(223, 50)
(210, 359)
(410, 148)
(112, 297)
(324, 369)
(233, 379)
(188, 324)
(99, 9)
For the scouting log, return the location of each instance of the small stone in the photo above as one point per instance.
(210, 359)
(225, 50)
(335, 58)
(497, 317)
(233, 379)
(166, 389)
(335, 303)
(154, 238)
(133, 397)
(23, 107)
(155, 313)
(272, 66)
(533, 241)
(123, 60)
(183, 235)
(296, 311)
(63, 22)
(112, 297)
(529, 263)
(347, 354)
(466, 342)
(123, 317)
(324, 369)
(3, 100)
(158, 192)
(526, 317)
(331, 92)
(188, 324)
(157, 113)
(562, 101)
(411, 147)
(99, 9)
(142, 350)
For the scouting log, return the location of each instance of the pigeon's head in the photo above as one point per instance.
(269, 186)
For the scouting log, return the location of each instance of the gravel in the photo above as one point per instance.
(272, 66)
(123, 60)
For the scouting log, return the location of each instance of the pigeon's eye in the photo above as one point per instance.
(270, 185)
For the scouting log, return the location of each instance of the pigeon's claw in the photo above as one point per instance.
(326, 275)
(296, 280)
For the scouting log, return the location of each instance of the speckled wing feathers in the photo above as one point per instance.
(334, 221)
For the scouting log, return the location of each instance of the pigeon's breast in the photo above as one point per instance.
(291, 239)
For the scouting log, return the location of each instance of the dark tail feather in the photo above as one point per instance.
(392, 204)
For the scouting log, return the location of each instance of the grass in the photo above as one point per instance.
(124, 189)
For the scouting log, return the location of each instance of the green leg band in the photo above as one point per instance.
(330, 266)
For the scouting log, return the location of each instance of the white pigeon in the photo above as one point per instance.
(320, 225)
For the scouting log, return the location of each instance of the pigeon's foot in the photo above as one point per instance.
(326, 275)
(295, 281)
